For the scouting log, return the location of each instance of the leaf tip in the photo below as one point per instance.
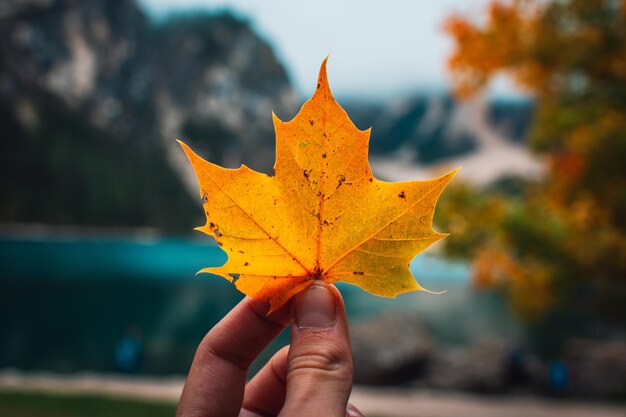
(276, 119)
(433, 292)
(202, 271)
(322, 80)
(190, 154)
(182, 144)
(440, 236)
(447, 177)
(455, 171)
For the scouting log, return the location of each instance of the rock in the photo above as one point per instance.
(391, 349)
(93, 95)
(597, 369)
(429, 128)
(478, 368)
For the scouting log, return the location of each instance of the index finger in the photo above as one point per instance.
(216, 380)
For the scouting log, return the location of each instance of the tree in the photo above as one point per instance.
(561, 244)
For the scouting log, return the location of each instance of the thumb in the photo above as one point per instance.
(319, 376)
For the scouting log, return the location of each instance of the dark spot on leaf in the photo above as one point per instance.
(240, 251)
(358, 273)
(324, 155)
(311, 122)
(340, 179)
(212, 225)
(371, 179)
(402, 195)
(246, 264)
(306, 173)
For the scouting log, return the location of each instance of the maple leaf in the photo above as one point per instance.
(321, 216)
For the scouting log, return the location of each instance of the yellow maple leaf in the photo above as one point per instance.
(321, 216)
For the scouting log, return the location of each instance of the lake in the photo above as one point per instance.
(67, 301)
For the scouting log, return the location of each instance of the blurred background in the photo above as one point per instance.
(100, 307)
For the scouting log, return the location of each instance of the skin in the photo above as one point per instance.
(311, 377)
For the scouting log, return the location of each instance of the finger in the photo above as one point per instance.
(215, 384)
(319, 376)
(265, 393)
(351, 411)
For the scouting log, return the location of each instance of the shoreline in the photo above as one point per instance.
(379, 401)
(37, 231)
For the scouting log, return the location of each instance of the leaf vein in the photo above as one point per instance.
(378, 254)
(372, 236)
(253, 219)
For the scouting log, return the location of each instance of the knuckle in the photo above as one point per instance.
(208, 355)
(322, 363)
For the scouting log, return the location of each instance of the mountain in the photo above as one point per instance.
(423, 135)
(427, 126)
(93, 94)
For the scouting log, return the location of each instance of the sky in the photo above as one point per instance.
(378, 49)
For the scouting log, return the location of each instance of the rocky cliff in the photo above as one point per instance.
(93, 94)
(425, 135)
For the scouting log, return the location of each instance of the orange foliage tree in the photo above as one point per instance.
(559, 244)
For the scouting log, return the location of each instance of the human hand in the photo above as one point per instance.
(311, 377)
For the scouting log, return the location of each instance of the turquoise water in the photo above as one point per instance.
(97, 258)
(69, 301)
(153, 258)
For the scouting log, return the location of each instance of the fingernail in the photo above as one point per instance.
(315, 308)
(352, 411)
